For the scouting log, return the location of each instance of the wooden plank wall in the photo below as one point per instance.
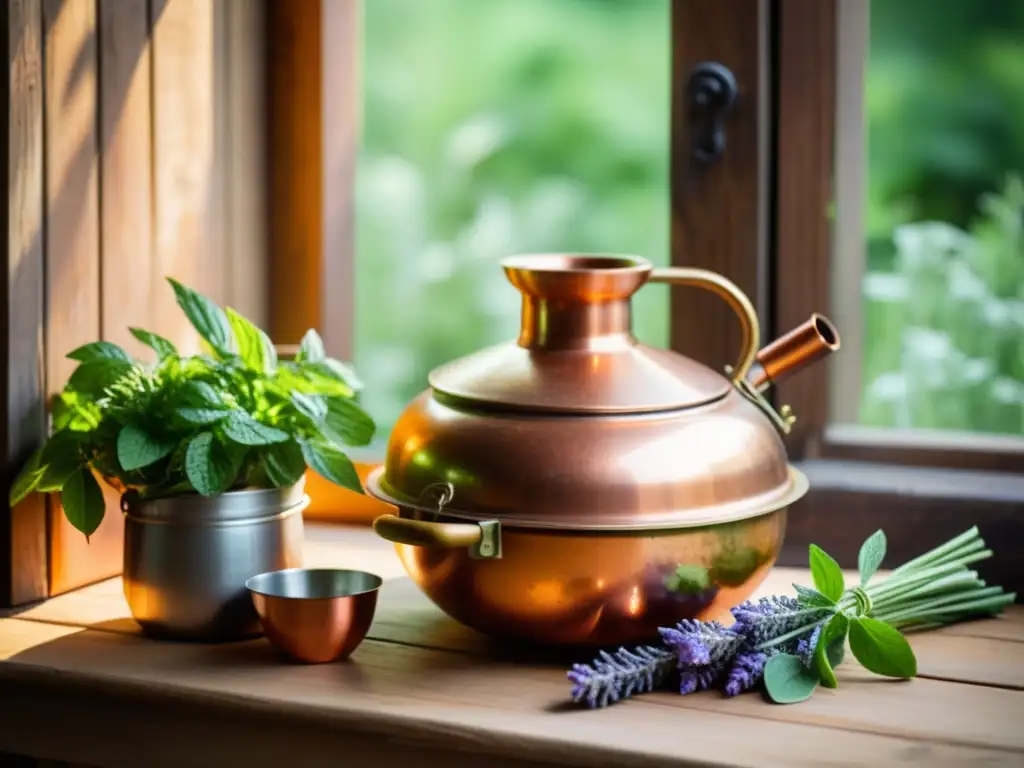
(149, 129)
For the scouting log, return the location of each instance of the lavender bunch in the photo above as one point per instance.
(793, 644)
(615, 676)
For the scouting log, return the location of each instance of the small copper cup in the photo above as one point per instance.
(315, 615)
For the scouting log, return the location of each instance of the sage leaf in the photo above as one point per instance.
(27, 479)
(331, 464)
(211, 467)
(94, 376)
(243, 429)
(872, 552)
(812, 598)
(882, 649)
(83, 502)
(827, 575)
(254, 346)
(347, 423)
(787, 680)
(833, 631)
(156, 342)
(137, 448)
(206, 317)
(202, 415)
(99, 350)
(283, 463)
(311, 348)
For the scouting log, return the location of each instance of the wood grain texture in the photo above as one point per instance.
(126, 277)
(23, 566)
(718, 212)
(805, 125)
(244, 146)
(424, 699)
(72, 241)
(295, 83)
(314, 100)
(188, 201)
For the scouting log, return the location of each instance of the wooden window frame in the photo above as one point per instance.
(751, 217)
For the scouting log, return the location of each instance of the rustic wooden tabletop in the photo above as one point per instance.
(78, 683)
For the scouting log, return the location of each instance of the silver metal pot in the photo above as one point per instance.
(187, 558)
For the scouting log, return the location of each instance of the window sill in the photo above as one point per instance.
(917, 507)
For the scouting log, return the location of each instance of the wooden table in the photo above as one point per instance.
(78, 683)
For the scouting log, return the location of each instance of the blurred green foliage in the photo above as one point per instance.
(944, 287)
(494, 127)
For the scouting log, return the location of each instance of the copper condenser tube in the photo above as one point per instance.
(808, 343)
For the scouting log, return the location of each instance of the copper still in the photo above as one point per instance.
(578, 487)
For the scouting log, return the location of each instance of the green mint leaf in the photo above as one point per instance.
(347, 423)
(206, 317)
(73, 411)
(310, 406)
(254, 346)
(311, 379)
(94, 376)
(137, 448)
(211, 466)
(83, 502)
(243, 429)
(827, 575)
(61, 458)
(156, 342)
(882, 649)
(836, 650)
(283, 463)
(99, 350)
(331, 464)
(338, 371)
(835, 630)
(787, 680)
(311, 348)
(202, 415)
(872, 552)
(812, 598)
(27, 479)
(199, 394)
(689, 580)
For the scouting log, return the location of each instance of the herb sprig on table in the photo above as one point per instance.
(235, 417)
(790, 646)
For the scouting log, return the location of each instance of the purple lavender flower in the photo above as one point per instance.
(806, 646)
(772, 617)
(612, 677)
(747, 670)
(693, 679)
(700, 643)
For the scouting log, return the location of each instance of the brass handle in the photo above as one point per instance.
(423, 533)
(750, 328)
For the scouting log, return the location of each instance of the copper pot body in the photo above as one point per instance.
(594, 489)
(598, 589)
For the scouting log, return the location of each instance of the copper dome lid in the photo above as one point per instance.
(578, 426)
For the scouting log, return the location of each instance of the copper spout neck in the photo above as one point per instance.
(806, 344)
(576, 301)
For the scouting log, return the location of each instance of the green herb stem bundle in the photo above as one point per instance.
(934, 589)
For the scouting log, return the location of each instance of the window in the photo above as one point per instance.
(936, 238)
(492, 128)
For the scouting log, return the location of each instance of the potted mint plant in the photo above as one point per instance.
(209, 452)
